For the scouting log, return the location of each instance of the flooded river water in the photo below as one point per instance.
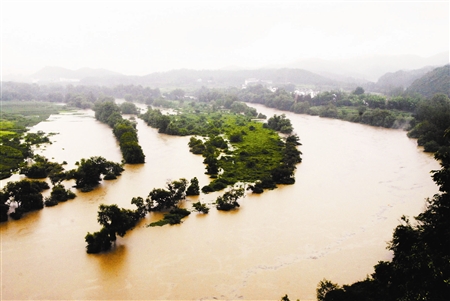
(354, 184)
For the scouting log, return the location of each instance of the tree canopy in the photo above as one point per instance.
(89, 172)
(107, 111)
(432, 121)
(25, 194)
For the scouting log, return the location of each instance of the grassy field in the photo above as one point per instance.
(253, 153)
(15, 118)
(26, 113)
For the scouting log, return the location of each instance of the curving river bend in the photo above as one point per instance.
(354, 184)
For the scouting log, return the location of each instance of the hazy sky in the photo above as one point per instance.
(141, 37)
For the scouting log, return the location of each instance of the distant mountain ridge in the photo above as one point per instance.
(370, 68)
(237, 77)
(395, 71)
(50, 74)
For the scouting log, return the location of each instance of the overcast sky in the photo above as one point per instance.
(141, 37)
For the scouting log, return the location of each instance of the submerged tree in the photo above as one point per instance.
(194, 188)
(59, 194)
(163, 199)
(89, 172)
(25, 194)
(115, 221)
(199, 207)
(174, 217)
(229, 200)
(124, 130)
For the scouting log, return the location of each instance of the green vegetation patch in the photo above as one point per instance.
(5, 125)
(252, 159)
(7, 133)
(26, 113)
(235, 147)
(107, 111)
(174, 217)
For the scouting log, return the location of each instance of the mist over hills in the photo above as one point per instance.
(49, 74)
(378, 74)
(402, 78)
(370, 68)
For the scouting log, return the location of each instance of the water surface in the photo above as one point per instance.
(354, 184)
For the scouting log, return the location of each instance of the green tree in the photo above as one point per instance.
(283, 174)
(431, 121)
(358, 91)
(194, 188)
(199, 207)
(324, 287)
(98, 241)
(43, 168)
(236, 137)
(196, 146)
(177, 94)
(4, 207)
(59, 194)
(162, 199)
(89, 172)
(107, 111)
(116, 220)
(280, 123)
(128, 108)
(174, 217)
(25, 194)
(229, 200)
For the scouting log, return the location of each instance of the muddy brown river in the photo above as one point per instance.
(354, 184)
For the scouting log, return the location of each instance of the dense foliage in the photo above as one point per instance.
(43, 168)
(235, 147)
(90, 171)
(431, 121)
(420, 268)
(107, 111)
(280, 124)
(12, 155)
(229, 200)
(128, 108)
(174, 217)
(24, 196)
(358, 106)
(114, 221)
(163, 199)
(194, 188)
(15, 143)
(81, 96)
(118, 221)
(59, 194)
(200, 207)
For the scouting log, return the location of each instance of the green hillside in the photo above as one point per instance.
(436, 81)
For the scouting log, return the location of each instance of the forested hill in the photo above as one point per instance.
(186, 78)
(238, 77)
(400, 79)
(435, 81)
